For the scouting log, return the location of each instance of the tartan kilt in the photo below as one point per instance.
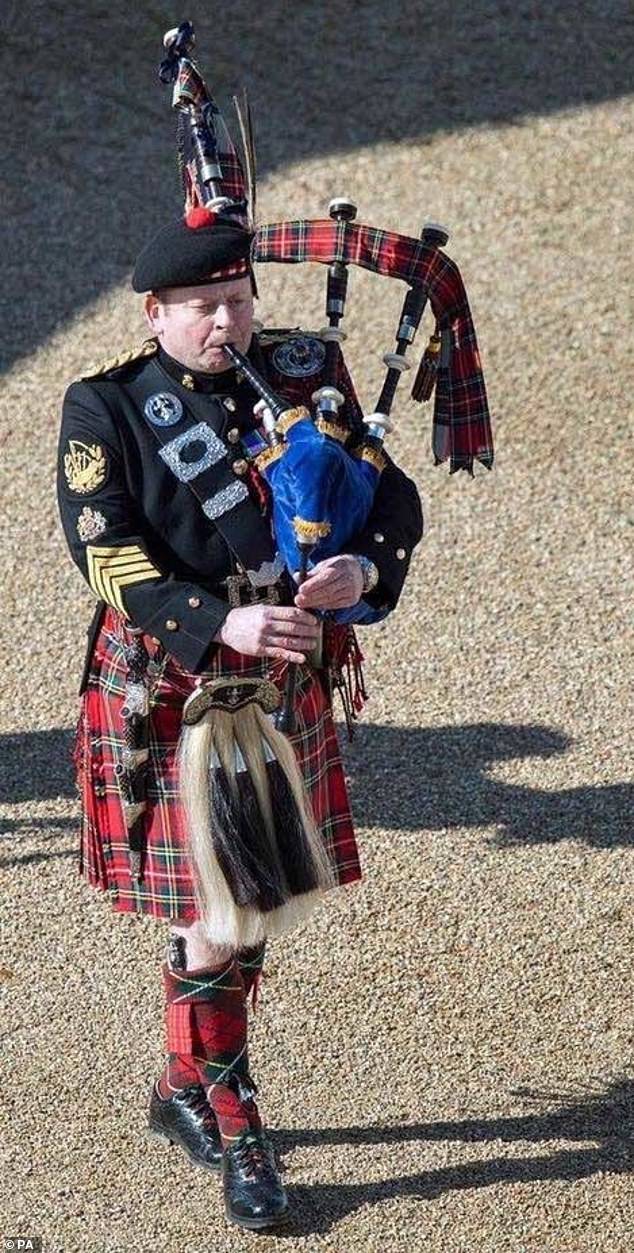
(167, 890)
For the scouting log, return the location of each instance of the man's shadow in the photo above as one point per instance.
(439, 777)
(604, 1117)
(35, 766)
(400, 778)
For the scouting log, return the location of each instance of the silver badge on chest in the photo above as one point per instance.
(192, 452)
(300, 356)
(163, 409)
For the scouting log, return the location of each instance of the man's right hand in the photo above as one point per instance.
(270, 631)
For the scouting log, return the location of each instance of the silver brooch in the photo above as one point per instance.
(224, 500)
(90, 524)
(204, 447)
(300, 356)
(163, 409)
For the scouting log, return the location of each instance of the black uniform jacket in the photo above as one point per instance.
(157, 519)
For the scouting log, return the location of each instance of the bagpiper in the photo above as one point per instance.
(199, 806)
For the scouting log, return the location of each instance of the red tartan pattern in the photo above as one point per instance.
(167, 890)
(190, 88)
(239, 269)
(206, 1024)
(462, 428)
(251, 962)
(204, 1035)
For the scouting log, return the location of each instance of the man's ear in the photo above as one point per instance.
(152, 309)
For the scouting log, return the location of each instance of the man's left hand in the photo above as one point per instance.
(335, 583)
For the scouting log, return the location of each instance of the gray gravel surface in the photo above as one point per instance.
(445, 1053)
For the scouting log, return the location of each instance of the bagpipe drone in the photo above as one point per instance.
(323, 478)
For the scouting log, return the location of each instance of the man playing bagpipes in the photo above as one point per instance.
(212, 789)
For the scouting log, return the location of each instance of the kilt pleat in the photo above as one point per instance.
(167, 889)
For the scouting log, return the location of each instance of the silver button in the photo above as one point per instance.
(233, 435)
(378, 537)
(230, 404)
(194, 602)
(401, 554)
(240, 467)
(171, 624)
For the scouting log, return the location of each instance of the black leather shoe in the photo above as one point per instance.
(186, 1119)
(254, 1194)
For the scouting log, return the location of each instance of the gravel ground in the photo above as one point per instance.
(445, 1053)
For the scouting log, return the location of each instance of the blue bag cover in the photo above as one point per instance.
(316, 480)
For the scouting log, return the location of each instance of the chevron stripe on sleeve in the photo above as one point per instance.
(110, 570)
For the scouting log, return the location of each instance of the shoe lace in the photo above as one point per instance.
(199, 1105)
(255, 1154)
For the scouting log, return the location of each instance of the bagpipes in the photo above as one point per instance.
(322, 493)
(258, 859)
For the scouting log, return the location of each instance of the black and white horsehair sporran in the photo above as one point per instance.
(260, 864)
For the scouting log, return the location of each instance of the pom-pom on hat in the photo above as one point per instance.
(203, 247)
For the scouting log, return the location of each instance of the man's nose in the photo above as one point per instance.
(224, 317)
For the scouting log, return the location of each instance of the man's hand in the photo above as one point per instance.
(335, 583)
(270, 631)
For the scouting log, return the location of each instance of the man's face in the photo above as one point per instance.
(193, 322)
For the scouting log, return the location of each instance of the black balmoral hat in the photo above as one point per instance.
(202, 247)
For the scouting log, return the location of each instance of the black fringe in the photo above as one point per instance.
(268, 865)
(295, 852)
(240, 843)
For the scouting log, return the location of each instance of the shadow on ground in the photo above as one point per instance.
(90, 161)
(438, 777)
(604, 1117)
(408, 779)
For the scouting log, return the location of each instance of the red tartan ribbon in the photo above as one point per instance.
(462, 427)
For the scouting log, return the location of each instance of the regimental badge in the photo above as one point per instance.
(300, 356)
(85, 467)
(90, 524)
(163, 409)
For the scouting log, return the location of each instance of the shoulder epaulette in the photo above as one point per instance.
(147, 349)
